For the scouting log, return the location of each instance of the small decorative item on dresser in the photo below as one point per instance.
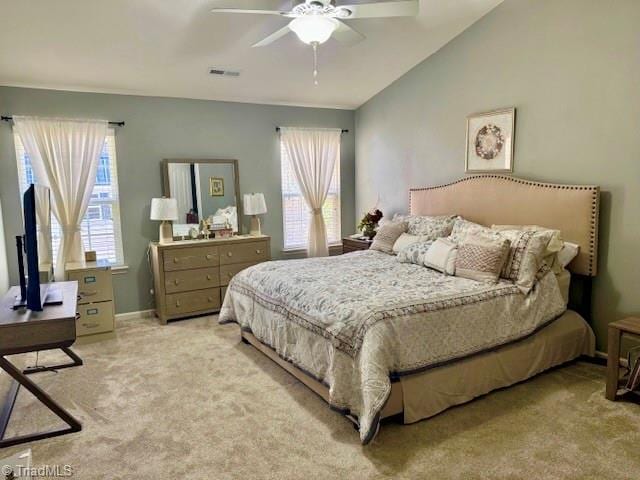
(369, 223)
(629, 326)
(351, 244)
(255, 205)
(164, 209)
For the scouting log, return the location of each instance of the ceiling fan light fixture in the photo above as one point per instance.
(313, 28)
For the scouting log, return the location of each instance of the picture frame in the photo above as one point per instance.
(490, 141)
(216, 187)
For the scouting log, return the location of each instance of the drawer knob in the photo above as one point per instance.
(90, 325)
(208, 277)
(229, 254)
(176, 259)
(176, 281)
(177, 303)
(210, 299)
(258, 251)
(209, 256)
(229, 274)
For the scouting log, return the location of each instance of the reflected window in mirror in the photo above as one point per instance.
(204, 190)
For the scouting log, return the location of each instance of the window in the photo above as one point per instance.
(101, 224)
(295, 213)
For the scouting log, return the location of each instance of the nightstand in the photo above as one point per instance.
(353, 244)
(630, 326)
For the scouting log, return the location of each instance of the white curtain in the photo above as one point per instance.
(64, 154)
(313, 154)
(180, 186)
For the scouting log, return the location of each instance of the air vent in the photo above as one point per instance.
(221, 72)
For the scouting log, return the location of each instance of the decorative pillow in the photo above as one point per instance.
(480, 258)
(464, 228)
(415, 253)
(555, 243)
(431, 227)
(526, 256)
(567, 253)
(441, 256)
(387, 235)
(405, 240)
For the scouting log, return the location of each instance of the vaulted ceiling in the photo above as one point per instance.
(166, 47)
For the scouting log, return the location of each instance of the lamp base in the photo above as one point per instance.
(255, 226)
(166, 232)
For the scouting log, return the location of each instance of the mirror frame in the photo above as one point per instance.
(166, 189)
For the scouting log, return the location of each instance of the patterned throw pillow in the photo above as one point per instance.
(407, 239)
(526, 256)
(464, 228)
(415, 253)
(480, 258)
(387, 235)
(428, 226)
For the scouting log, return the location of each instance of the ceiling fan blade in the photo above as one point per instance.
(347, 35)
(404, 8)
(258, 12)
(273, 37)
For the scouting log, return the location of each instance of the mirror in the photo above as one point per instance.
(205, 190)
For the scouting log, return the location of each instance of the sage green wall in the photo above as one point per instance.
(158, 128)
(572, 69)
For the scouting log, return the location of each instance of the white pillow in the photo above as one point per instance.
(405, 240)
(441, 256)
(568, 252)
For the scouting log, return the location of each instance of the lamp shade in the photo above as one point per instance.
(254, 204)
(313, 28)
(164, 209)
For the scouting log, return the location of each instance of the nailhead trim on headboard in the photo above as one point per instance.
(595, 195)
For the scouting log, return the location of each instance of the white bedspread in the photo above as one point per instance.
(355, 320)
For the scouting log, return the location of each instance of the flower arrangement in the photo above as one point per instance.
(369, 223)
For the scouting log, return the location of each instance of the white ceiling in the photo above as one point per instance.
(165, 47)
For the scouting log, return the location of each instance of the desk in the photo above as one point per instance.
(23, 331)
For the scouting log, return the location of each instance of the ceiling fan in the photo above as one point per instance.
(315, 21)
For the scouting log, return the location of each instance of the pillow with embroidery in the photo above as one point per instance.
(481, 258)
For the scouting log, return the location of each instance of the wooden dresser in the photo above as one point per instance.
(191, 277)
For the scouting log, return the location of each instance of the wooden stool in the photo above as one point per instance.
(630, 326)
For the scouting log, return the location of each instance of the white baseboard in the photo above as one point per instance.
(133, 315)
(623, 361)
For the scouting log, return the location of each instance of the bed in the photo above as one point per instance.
(378, 338)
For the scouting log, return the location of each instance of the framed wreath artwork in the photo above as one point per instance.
(490, 141)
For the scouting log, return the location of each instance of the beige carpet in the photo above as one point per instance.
(190, 401)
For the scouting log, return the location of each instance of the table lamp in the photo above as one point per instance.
(165, 210)
(254, 205)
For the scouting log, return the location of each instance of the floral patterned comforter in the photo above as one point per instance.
(354, 321)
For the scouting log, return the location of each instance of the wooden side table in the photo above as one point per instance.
(353, 244)
(629, 326)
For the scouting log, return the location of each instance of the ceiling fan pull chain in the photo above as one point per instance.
(315, 63)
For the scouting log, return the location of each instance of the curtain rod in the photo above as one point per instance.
(343, 130)
(9, 119)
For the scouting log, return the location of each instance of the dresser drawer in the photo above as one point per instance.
(186, 258)
(244, 252)
(227, 272)
(197, 279)
(187, 302)
(95, 318)
(93, 285)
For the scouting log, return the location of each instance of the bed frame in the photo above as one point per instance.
(497, 199)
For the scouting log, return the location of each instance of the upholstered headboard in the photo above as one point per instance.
(496, 199)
